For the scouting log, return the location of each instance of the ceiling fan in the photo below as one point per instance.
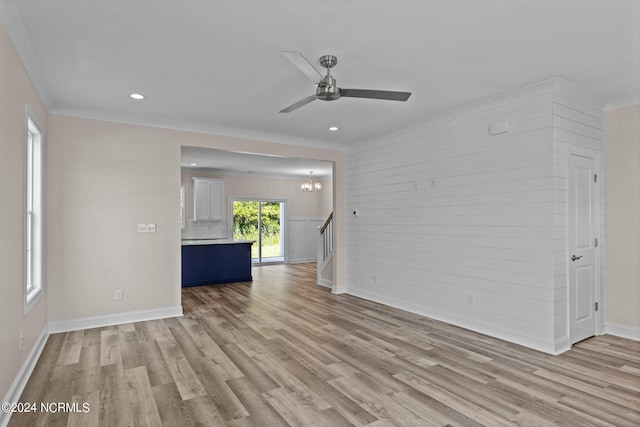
(326, 85)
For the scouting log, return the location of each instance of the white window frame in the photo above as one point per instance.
(34, 213)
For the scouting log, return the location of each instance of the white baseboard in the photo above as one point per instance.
(325, 282)
(623, 331)
(561, 345)
(537, 343)
(16, 389)
(342, 290)
(114, 319)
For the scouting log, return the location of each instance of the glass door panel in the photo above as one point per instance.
(271, 247)
(261, 221)
(246, 224)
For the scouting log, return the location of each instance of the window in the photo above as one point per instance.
(33, 215)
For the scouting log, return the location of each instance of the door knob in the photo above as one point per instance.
(575, 258)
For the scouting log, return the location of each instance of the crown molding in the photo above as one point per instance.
(623, 101)
(140, 120)
(552, 85)
(194, 170)
(14, 25)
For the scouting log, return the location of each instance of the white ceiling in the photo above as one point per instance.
(217, 66)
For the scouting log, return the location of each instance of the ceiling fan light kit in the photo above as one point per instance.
(326, 87)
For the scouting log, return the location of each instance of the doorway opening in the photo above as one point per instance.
(263, 222)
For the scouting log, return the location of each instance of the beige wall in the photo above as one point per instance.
(16, 92)
(104, 179)
(622, 217)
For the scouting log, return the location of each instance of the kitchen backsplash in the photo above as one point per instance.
(204, 230)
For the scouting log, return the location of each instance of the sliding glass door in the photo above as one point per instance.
(263, 222)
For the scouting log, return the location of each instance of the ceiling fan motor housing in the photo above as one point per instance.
(327, 89)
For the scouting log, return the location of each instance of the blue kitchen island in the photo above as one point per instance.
(210, 262)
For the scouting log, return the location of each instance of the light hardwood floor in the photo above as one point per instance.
(283, 351)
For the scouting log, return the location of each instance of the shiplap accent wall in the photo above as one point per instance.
(577, 125)
(470, 228)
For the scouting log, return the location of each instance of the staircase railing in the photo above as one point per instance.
(326, 232)
(325, 252)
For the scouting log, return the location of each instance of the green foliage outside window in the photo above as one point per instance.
(245, 226)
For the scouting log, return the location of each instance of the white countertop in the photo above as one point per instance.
(214, 242)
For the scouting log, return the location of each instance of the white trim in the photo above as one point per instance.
(537, 343)
(141, 120)
(549, 86)
(622, 102)
(114, 319)
(14, 25)
(20, 381)
(337, 289)
(326, 283)
(33, 129)
(623, 331)
(596, 156)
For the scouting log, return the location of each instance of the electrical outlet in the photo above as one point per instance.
(21, 340)
(118, 295)
(471, 300)
(146, 228)
(375, 278)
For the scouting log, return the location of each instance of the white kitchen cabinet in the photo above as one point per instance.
(208, 199)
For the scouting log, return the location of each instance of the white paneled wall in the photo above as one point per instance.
(302, 235)
(470, 228)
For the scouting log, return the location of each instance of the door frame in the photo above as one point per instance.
(283, 221)
(576, 150)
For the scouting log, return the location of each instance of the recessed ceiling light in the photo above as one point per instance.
(137, 96)
(193, 164)
(333, 128)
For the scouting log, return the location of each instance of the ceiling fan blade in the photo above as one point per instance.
(298, 104)
(375, 94)
(303, 65)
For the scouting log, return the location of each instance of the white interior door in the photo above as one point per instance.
(582, 247)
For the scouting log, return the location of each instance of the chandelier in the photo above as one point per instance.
(311, 185)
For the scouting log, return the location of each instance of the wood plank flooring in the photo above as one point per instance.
(282, 351)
